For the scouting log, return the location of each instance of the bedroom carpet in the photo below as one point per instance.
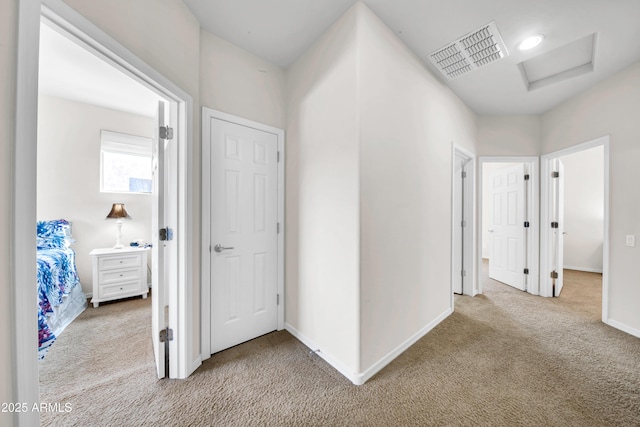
(482, 366)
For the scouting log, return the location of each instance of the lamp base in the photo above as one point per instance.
(119, 244)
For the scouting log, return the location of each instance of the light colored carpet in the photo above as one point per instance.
(483, 365)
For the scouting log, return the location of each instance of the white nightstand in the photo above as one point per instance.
(119, 273)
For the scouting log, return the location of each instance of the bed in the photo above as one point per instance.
(60, 295)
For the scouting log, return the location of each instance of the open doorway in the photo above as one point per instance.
(574, 238)
(509, 221)
(96, 128)
(95, 40)
(110, 127)
(463, 223)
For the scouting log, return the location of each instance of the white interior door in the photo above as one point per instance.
(244, 252)
(158, 321)
(557, 230)
(507, 256)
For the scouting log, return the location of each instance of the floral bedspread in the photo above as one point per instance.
(57, 276)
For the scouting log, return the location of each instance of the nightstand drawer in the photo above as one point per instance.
(122, 261)
(111, 276)
(120, 289)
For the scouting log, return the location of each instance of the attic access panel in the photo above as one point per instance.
(565, 62)
(471, 51)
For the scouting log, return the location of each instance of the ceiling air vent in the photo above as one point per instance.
(469, 52)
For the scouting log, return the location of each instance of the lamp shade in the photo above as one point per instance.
(118, 212)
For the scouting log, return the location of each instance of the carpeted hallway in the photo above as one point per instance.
(483, 365)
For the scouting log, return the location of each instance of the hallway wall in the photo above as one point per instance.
(369, 137)
(610, 108)
(323, 213)
(408, 122)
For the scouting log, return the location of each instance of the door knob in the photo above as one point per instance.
(219, 248)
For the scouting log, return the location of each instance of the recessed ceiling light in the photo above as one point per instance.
(531, 42)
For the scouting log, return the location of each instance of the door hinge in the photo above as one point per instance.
(526, 271)
(165, 233)
(463, 223)
(278, 228)
(554, 224)
(464, 174)
(278, 157)
(463, 273)
(555, 174)
(166, 335)
(554, 274)
(277, 299)
(526, 177)
(526, 224)
(166, 132)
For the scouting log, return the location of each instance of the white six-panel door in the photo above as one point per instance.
(244, 247)
(507, 250)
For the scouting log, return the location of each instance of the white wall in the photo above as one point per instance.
(369, 172)
(509, 135)
(584, 209)
(8, 19)
(408, 122)
(610, 108)
(237, 82)
(322, 247)
(69, 176)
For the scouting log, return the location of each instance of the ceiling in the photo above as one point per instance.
(71, 72)
(281, 30)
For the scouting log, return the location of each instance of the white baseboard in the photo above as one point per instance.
(195, 364)
(587, 269)
(623, 327)
(337, 365)
(362, 377)
(384, 361)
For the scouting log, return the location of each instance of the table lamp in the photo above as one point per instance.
(118, 212)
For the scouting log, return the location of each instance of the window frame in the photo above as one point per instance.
(124, 144)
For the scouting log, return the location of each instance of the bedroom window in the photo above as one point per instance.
(125, 163)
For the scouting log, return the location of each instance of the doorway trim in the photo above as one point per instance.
(533, 213)
(468, 206)
(545, 286)
(25, 374)
(205, 274)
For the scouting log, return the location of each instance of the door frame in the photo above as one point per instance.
(468, 234)
(546, 288)
(205, 274)
(23, 331)
(532, 212)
